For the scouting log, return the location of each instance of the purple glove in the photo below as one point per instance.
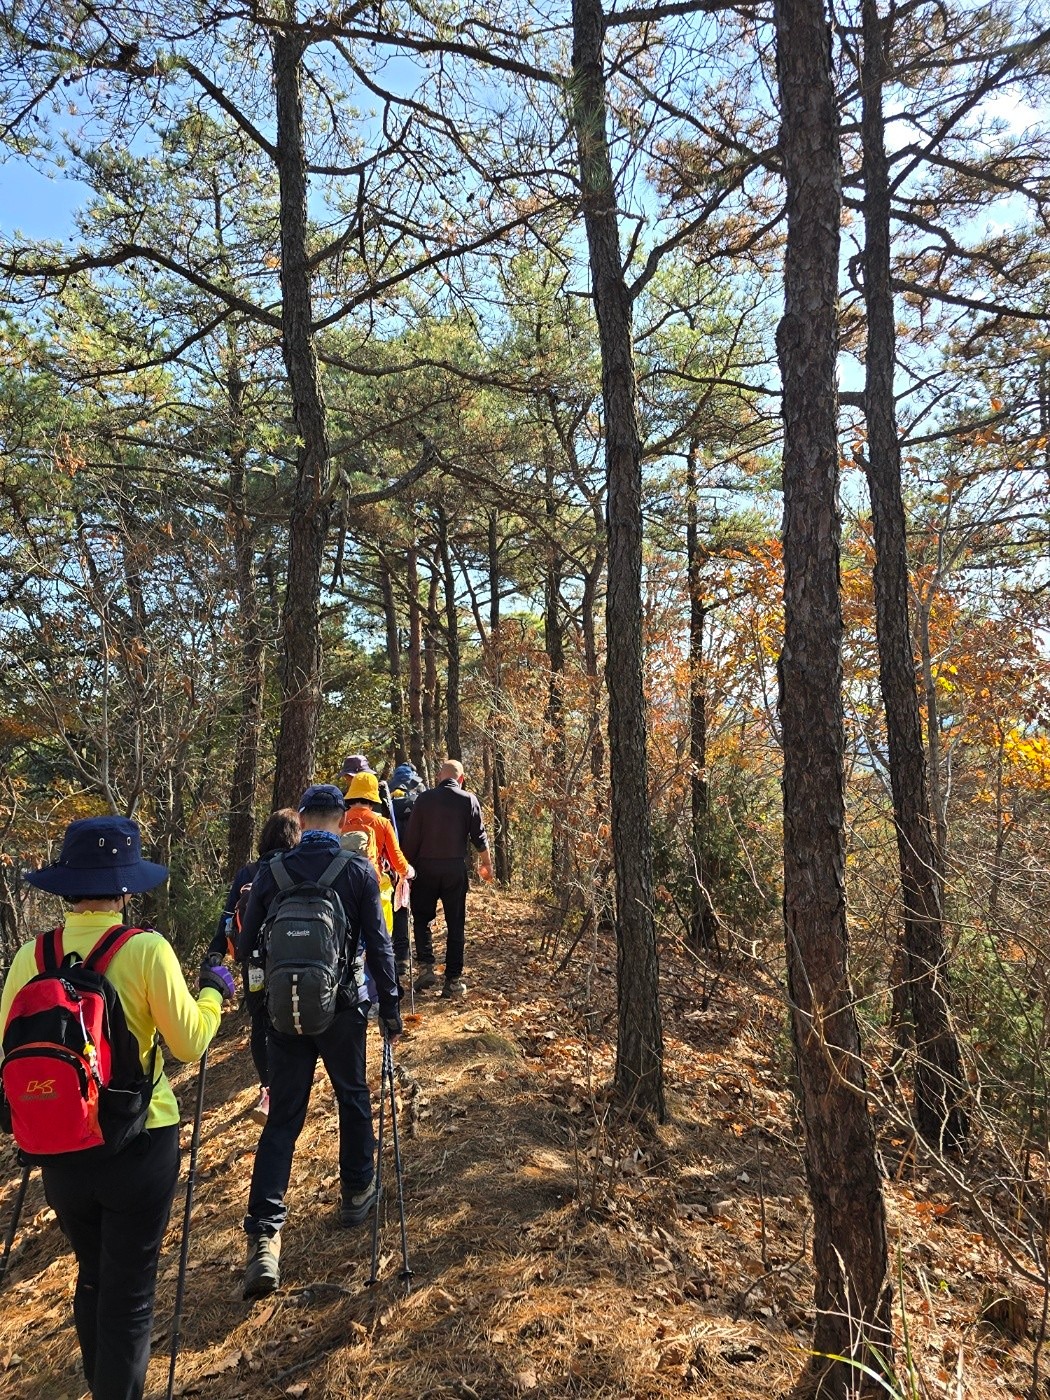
(213, 974)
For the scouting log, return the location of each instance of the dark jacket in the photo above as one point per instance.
(444, 820)
(217, 947)
(358, 891)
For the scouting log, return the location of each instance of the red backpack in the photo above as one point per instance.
(71, 1080)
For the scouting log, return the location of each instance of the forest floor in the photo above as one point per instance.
(555, 1255)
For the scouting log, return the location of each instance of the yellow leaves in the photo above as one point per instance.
(1029, 757)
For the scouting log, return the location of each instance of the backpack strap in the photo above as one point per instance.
(280, 874)
(338, 865)
(49, 951)
(108, 945)
(100, 957)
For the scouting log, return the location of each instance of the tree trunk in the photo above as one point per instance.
(431, 703)
(588, 612)
(393, 657)
(416, 730)
(703, 927)
(555, 648)
(500, 833)
(245, 778)
(849, 1227)
(938, 1077)
(454, 748)
(639, 1045)
(310, 507)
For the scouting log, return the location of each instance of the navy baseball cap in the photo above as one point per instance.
(322, 797)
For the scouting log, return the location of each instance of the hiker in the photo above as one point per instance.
(405, 787)
(445, 821)
(281, 831)
(364, 817)
(297, 1001)
(357, 763)
(113, 1206)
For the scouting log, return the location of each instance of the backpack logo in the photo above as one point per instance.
(40, 1088)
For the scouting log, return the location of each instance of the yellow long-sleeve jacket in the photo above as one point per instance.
(152, 991)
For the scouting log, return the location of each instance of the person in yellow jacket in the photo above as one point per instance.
(114, 1209)
(363, 814)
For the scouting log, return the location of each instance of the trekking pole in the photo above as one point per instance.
(15, 1214)
(406, 1273)
(373, 1277)
(191, 1181)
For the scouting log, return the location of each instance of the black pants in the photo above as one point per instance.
(260, 1029)
(446, 881)
(399, 935)
(114, 1213)
(292, 1061)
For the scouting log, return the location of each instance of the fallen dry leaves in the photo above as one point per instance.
(556, 1252)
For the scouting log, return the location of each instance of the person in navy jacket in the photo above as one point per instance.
(341, 1047)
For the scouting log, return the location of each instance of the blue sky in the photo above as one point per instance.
(36, 205)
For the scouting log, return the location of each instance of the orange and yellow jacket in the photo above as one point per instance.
(383, 839)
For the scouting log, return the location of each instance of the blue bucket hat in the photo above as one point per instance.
(100, 855)
(405, 776)
(322, 797)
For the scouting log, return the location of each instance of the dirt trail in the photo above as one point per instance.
(553, 1256)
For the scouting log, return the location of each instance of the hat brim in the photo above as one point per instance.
(67, 879)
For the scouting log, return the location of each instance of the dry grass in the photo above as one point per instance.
(556, 1253)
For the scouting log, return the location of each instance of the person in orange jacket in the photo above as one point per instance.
(363, 815)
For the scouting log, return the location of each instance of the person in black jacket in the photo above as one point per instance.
(445, 822)
(281, 831)
(341, 1047)
(405, 787)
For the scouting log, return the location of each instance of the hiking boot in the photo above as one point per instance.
(262, 1274)
(427, 977)
(261, 1111)
(355, 1208)
(404, 971)
(454, 989)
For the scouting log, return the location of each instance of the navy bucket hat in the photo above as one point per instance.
(100, 855)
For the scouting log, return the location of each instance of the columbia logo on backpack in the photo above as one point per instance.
(71, 1079)
(308, 964)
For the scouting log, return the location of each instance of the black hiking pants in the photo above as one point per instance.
(114, 1213)
(292, 1061)
(447, 881)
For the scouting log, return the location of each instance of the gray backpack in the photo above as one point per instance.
(304, 941)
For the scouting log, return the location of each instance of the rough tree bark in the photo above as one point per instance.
(639, 1045)
(416, 743)
(311, 505)
(393, 655)
(849, 1227)
(554, 644)
(431, 691)
(245, 777)
(453, 742)
(500, 832)
(938, 1073)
